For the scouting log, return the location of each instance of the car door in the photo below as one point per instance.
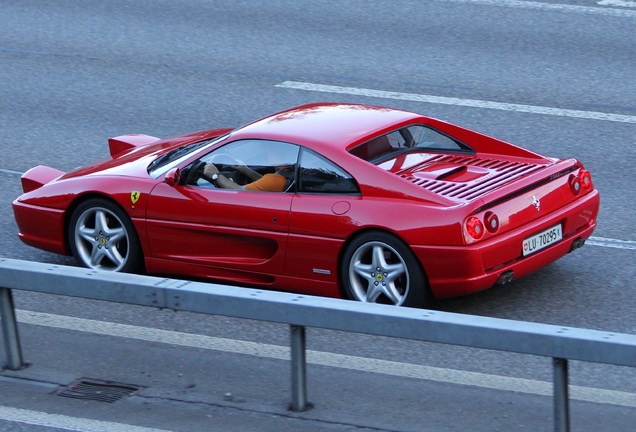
(321, 220)
(203, 230)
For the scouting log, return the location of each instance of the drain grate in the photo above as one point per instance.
(103, 391)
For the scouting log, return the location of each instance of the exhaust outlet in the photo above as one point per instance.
(505, 277)
(576, 244)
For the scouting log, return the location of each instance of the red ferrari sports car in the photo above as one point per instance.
(362, 202)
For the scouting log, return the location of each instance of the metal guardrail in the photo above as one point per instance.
(299, 311)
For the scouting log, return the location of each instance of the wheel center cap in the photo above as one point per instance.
(103, 241)
(379, 277)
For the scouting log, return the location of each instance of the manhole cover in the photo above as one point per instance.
(103, 391)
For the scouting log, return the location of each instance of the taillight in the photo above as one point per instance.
(575, 184)
(586, 180)
(581, 182)
(475, 228)
(492, 222)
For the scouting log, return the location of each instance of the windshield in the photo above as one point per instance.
(165, 162)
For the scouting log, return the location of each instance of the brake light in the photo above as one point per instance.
(475, 228)
(492, 222)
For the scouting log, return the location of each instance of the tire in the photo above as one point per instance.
(377, 267)
(101, 236)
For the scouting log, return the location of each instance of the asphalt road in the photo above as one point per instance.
(557, 78)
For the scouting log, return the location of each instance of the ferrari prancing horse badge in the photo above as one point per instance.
(134, 196)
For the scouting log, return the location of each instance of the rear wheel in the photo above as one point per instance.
(377, 267)
(102, 237)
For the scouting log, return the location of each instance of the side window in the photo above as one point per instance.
(262, 154)
(319, 175)
(245, 162)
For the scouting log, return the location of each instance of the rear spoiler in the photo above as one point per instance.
(123, 143)
(38, 176)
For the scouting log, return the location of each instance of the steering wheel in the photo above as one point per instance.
(196, 172)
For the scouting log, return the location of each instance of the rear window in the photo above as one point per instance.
(408, 139)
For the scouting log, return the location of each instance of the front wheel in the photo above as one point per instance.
(102, 237)
(377, 267)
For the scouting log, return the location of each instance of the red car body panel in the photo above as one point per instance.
(294, 241)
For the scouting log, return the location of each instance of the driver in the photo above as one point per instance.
(271, 182)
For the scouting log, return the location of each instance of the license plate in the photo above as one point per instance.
(542, 240)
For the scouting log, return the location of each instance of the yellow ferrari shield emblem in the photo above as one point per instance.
(134, 196)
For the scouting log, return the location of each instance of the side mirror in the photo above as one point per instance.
(173, 177)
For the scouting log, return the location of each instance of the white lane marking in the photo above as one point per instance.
(442, 100)
(6, 171)
(556, 7)
(617, 3)
(399, 369)
(611, 243)
(69, 423)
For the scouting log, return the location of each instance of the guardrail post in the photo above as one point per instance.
(561, 397)
(298, 368)
(10, 330)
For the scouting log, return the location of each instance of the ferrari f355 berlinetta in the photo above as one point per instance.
(363, 202)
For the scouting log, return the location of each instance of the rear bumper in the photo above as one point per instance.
(459, 270)
(40, 227)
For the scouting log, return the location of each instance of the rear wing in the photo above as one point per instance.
(123, 143)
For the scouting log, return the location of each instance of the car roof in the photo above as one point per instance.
(326, 124)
